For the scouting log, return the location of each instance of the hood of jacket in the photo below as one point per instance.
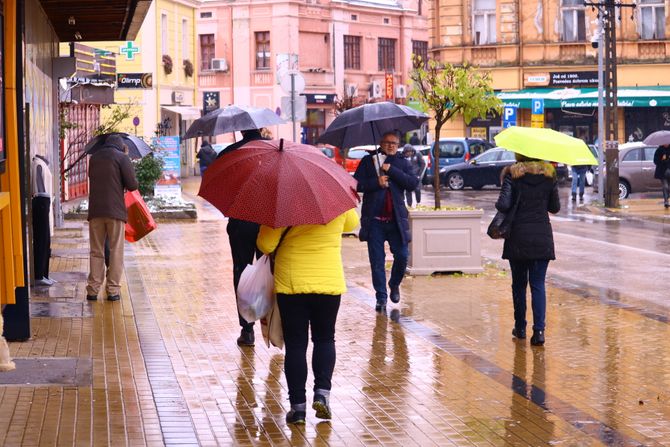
(520, 169)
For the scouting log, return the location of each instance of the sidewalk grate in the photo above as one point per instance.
(69, 371)
(60, 310)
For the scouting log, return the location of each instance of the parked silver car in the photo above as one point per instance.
(636, 169)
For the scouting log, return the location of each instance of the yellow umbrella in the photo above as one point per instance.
(546, 144)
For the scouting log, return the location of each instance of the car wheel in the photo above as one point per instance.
(455, 181)
(624, 189)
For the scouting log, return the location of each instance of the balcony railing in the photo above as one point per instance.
(262, 78)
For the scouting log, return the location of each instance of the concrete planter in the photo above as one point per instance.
(445, 241)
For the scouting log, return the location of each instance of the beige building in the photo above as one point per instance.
(540, 49)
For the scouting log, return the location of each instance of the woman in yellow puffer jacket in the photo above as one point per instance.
(309, 281)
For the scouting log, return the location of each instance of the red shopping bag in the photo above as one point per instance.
(140, 221)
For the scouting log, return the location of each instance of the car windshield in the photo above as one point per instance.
(451, 149)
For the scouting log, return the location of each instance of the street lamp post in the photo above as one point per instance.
(607, 10)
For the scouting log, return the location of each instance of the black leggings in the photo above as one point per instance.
(298, 312)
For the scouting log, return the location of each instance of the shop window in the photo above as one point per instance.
(262, 50)
(484, 22)
(420, 48)
(652, 19)
(206, 51)
(314, 125)
(386, 54)
(352, 52)
(574, 20)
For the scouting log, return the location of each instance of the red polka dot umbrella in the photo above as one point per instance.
(279, 184)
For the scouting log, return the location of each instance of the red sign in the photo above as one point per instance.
(389, 86)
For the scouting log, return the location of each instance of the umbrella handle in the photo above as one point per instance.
(379, 162)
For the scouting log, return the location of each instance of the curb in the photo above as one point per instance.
(159, 215)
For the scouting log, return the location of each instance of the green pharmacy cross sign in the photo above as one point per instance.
(130, 50)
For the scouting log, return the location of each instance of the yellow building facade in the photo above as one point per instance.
(539, 49)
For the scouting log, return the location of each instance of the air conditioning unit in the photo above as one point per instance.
(177, 97)
(219, 64)
(376, 89)
(352, 90)
(401, 91)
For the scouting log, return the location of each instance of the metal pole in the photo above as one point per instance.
(293, 105)
(601, 113)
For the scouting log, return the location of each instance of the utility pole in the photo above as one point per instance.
(607, 15)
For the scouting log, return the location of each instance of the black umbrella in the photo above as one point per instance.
(367, 123)
(232, 119)
(137, 148)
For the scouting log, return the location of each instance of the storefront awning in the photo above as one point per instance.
(566, 98)
(186, 112)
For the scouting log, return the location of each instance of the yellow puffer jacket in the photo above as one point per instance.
(309, 259)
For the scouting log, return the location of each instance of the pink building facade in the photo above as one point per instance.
(340, 48)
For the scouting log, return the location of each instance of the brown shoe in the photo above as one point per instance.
(246, 338)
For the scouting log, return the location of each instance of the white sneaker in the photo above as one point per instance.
(44, 282)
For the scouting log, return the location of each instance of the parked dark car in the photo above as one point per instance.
(453, 151)
(480, 171)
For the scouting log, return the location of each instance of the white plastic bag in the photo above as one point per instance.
(255, 290)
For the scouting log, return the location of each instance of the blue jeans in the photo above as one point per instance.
(522, 273)
(379, 233)
(578, 177)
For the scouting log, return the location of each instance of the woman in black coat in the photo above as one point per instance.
(530, 246)
(662, 162)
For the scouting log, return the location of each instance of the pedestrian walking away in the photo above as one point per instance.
(414, 139)
(42, 219)
(418, 165)
(662, 172)
(309, 281)
(110, 173)
(530, 245)
(578, 179)
(206, 155)
(383, 178)
(242, 236)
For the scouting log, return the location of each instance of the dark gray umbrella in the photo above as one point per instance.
(367, 123)
(137, 148)
(658, 138)
(231, 119)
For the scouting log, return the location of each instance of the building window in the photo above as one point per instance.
(206, 15)
(352, 52)
(484, 22)
(652, 19)
(387, 20)
(164, 34)
(354, 17)
(420, 48)
(386, 54)
(206, 51)
(262, 50)
(574, 21)
(185, 50)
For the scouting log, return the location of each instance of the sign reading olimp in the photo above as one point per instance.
(134, 80)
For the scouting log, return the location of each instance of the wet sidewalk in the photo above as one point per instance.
(161, 367)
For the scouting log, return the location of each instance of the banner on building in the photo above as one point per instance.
(210, 101)
(388, 86)
(169, 184)
(134, 80)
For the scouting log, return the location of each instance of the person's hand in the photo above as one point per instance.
(386, 167)
(384, 181)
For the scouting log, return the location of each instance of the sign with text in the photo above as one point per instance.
(134, 80)
(537, 121)
(169, 184)
(573, 78)
(388, 86)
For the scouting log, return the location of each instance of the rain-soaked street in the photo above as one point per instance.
(440, 369)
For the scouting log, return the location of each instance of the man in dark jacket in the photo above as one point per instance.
(110, 174)
(662, 162)
(206, 155)
(383, 179)
(242, 237)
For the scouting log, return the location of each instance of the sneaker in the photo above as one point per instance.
(395, 294)
(43, 282)
(92, 297)
(537, 339)
(296, 417)
(116, 297)
(246, 339)
(519, 333)
(321, 406)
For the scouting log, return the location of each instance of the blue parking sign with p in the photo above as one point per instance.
(509, 116)
(537, 106)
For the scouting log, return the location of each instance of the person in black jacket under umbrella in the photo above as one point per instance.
(242, 237)
(530, 246)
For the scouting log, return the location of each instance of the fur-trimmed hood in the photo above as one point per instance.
(518, 170)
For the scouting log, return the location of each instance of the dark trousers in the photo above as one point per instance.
(41, 236)
(298, 313)
(666, 190)
(379, 233)
(534, 272)
(416, 192)
(242, 237)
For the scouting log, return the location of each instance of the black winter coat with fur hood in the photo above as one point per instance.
(531, 237)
